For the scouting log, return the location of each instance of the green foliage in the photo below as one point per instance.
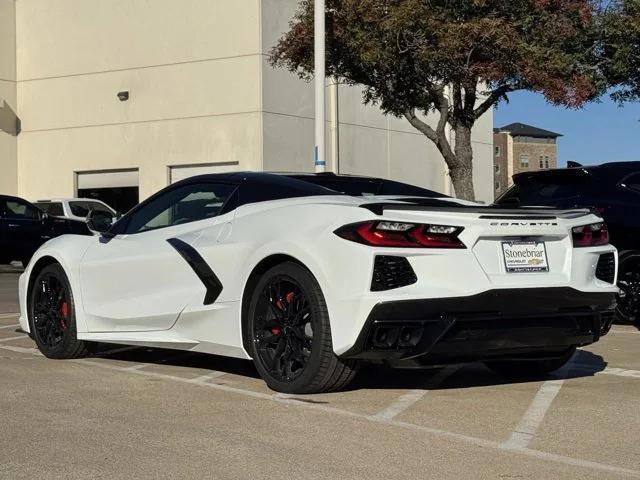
(402, 51)
(621, 48)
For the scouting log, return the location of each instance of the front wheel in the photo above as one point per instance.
(530, 368)
(52, 319)
(291, 336)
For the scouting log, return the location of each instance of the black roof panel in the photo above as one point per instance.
(524, 130)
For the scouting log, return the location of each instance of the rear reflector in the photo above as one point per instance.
(593, 235)
(402, 235)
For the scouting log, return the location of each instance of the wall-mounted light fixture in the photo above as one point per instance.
(123, 96)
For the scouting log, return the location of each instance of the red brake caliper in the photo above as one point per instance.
(289, 298)
(64, 311)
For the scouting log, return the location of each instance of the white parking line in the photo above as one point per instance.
(32, 351)
(530, 422)
(626, 332)
(10, 339)
(413, 396)
(209, 376)
(523, 434)
(617, 372)
(550, 457)
(621, 372)
(15, 325)
(139, 366)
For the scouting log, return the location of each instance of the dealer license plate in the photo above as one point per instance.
(525, 257)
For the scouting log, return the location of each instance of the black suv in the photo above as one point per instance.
(24, 228)
(613, 191)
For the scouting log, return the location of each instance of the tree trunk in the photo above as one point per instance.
(459, 160)
(461, 170)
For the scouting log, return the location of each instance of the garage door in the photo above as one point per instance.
(117, 188)
(181, 172)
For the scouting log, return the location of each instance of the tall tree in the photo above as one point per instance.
(455, 59)
(620, 52)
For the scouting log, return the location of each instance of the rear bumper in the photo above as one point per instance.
(496, 323)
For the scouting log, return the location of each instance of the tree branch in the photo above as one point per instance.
(493, 98)
(421, 126)
(439, 138)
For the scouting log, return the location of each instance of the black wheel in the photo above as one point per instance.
(52, 315)
(291, 336)
(628, 309)
(529, 368)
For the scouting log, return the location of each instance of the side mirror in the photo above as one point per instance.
(99, 221)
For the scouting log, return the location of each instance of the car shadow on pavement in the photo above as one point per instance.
(371, 377)
(176, 358)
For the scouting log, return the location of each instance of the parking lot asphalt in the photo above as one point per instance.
(136, 413)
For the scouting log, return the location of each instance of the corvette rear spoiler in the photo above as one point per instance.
(486, 212)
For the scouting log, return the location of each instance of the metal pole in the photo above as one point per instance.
(320, 74)
(334, 119)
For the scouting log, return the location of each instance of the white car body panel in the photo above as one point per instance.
(136, 289)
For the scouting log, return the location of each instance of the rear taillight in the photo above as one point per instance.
(591, 235)
(402, 235)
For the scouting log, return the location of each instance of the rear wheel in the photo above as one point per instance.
(530, 367)
(628, 308)
(291, 335)
(52, 315)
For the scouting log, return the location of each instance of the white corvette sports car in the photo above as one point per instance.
(309, 281)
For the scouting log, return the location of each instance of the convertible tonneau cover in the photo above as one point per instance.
(488, 212)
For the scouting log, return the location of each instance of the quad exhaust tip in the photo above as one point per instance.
(386, 337)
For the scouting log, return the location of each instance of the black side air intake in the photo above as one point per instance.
(606, 269)
(392, 272)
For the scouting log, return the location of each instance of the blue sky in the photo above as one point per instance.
(600, 132)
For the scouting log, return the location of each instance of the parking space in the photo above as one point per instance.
(146, 413)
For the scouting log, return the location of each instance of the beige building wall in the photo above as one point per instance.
(192, 69)
(8, 104)
(201, 92)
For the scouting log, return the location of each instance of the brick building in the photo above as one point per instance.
(521, 148)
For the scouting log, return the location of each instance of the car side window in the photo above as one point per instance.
(82, 209)
(189, 203)
(21, 210)
(52, 208)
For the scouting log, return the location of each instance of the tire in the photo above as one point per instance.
(530, 368)
(290, 335)
(628, 308)
(52, 319)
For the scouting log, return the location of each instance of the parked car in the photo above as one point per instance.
(24, 228)
(74, 208)
(613, 191)
(309, 282)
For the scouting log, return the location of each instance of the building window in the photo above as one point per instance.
(524, 160)
(541, 162)
(497, 185)
(497, 151)
(497, 167)
(546, 162)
